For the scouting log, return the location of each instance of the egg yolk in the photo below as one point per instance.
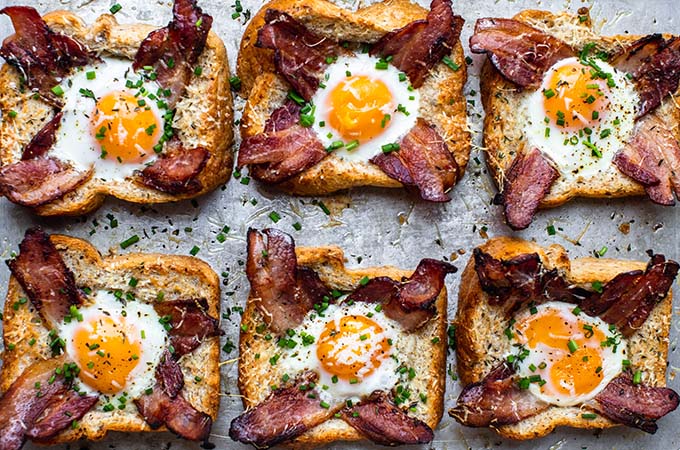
(352, 347)
(126, 132)
(107, 350)
(358, 108)
(571, 372)
(573, 99)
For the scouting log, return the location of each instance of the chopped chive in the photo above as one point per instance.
(115, 8)
(129, 241)
(573, 346)
(58, 90)
(194, 250)
(589, 416)
(274, 216)
(637, 377)
(450, 63)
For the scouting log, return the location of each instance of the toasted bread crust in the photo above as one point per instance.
(176, 276)
(265, 90)
(204, 114)
(479, 331)
(256, 374)
(503, 136)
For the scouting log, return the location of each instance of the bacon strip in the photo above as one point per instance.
(40, 55)
(427, 159)
(31, 396)
(527, 182)
(35, 182)
(658, 76)
(283, 149)
(496, 400)
(173, 51)
(166, 405)
(633, 59)
(652, 154)
(627, 300)
(175, 172)
(190, 323)
(42, 273)
(299, 55)
(635, 405)
(411, 302)
(421, 44)
(284, 415)
(381, 421)
(283, 292)
(520, 52)
(44, 139)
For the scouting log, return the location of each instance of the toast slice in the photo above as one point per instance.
(426, 350)
(27, 340)
(482, 345)
(442, 100)
(504, 139)
(203, 115)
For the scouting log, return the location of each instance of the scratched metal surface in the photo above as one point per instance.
(375, 227)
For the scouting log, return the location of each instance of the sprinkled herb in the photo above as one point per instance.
(364, 281)
(572, 345)
(391, 147)
(129, 241)
(549, 93)
(450, 63)
(589, 416)
(115, 8)
(297, 226)
(194, 250)
(274, 216)
(637, 377)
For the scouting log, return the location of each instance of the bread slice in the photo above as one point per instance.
(203, 115)
(442, 100)
(504, 139)
(176, 276)
(256, 374)
(481, 344)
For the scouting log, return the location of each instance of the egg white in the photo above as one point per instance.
(612, 361)
(400, 122)
(137, 316)
(74, 140)
(304, 357)
(576, 162)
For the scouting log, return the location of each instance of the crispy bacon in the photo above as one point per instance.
(175, 172)
(496, 400)
(283, 150)
(658, 76)
(299, 55)
(284, 415)
(44, 139)
(421, 44)
(189, 323)
(527, 182)
(416, 295)
(635, 405)
(652, 154)
(42, 273)
(166, 405)
(511, 283)
(35, 405)
(174, 50)
(520, 52)
(40, 55)
(283, 292)
(430, 165)
(381, 421)
(411, 302)
(627, 300)
(633, 59)
(35, 182)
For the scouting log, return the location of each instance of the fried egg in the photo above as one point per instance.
(113, 119)
(117, 346)
(563, 356)
(363, 104)
(580, 117)
(351, 347)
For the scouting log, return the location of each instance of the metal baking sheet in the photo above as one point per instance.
(375, 227)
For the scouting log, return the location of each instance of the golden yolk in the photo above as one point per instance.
(125, 131)
(349, 349)
(358, 108)
(573, 100)
(551, 329)
(577, 373)
(107, 351)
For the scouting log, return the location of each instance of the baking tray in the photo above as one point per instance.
(374, 227)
